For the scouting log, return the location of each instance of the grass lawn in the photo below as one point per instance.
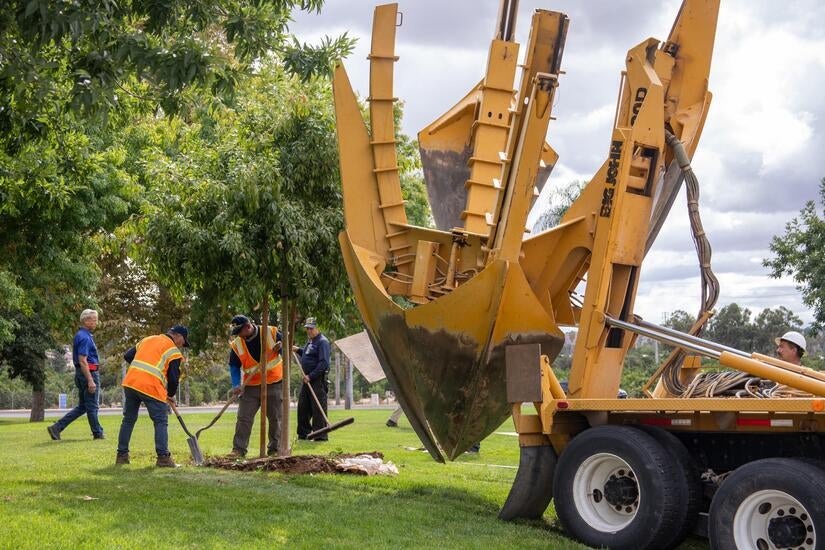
(68, 493)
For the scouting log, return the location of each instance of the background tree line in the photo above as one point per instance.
(732, 326)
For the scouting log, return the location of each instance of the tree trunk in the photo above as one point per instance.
(348, 395)
(337, 377)
(286, 357)
(38, 413)
(262, 364)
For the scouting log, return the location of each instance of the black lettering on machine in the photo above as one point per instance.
(610, 182)
(641, 93)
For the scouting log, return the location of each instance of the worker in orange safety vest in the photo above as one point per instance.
(152, 379)
(244, 361)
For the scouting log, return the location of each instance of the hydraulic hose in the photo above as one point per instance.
(709, 282)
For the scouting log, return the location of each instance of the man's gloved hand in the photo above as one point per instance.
(171, 400)
(236, 391)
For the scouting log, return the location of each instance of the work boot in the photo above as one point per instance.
(392, 423)
(122, 458)
(166, 461)
(236, 454)
(98, 436)
(53, 432)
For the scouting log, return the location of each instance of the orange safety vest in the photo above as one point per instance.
(147, 373)
(249, 365)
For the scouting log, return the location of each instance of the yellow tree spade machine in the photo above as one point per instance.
(466, 318)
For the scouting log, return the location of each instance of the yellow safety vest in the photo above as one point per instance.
(147, 373)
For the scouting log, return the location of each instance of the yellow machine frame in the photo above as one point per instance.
(479, 288)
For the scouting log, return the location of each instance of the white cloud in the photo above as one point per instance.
(761, 154)
(655, 300)
(765, 68)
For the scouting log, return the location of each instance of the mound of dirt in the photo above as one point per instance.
(298, 464)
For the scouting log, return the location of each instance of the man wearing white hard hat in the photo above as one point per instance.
(790, 347)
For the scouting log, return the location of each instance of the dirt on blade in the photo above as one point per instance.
(298, 464)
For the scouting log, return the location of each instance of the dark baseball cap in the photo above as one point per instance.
(238, 322)
(310, 323)
(183, 331)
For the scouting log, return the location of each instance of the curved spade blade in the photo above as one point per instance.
(533, 487)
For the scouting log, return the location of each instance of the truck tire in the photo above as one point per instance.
(616, 487)
(770, 503)
(691, 500)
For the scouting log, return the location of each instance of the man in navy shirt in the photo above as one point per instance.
(315, 364)
(86, 378)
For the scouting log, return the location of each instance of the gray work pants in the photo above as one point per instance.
(396, 415)
(248, 406)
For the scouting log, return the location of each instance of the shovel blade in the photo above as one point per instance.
(194, 448)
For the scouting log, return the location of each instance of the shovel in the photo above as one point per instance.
(194, 448)
(223, 410)
(231, 399)
(329, 427)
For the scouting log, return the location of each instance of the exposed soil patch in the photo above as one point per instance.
(298, 464)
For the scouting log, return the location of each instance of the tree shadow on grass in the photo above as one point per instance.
(308, 510)
(63, 442)
(12, 421)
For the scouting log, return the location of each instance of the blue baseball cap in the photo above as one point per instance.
(183, 331)
(310, 322)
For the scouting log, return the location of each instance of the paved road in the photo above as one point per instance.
(57, 413)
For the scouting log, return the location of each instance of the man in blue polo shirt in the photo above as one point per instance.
(84, 356)
(315, 364)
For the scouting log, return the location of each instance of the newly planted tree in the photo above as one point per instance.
(251, 207)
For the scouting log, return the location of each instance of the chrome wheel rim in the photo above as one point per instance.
(771, 519)
(606, 492)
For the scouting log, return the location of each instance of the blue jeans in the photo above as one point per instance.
(88, 404)
(158, 412)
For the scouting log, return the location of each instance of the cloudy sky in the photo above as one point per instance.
(762, 152)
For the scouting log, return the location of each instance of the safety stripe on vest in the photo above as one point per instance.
(168, 355)
(269, 366)
(239, 347)
(157, 370)
(147, 368)
(240, 350)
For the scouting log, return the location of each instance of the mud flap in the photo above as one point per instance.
(533, 487)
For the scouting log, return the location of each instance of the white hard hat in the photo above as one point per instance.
(794, 338)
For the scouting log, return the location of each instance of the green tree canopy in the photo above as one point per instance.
(250, 202)
(78, 54)
(770, 324)
(680, 320)
(736, 327)
(732, 326)
(73, 76)
(800, 253)
(25, 356)
(56, 196)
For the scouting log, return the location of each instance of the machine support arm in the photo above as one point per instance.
(800, 378)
